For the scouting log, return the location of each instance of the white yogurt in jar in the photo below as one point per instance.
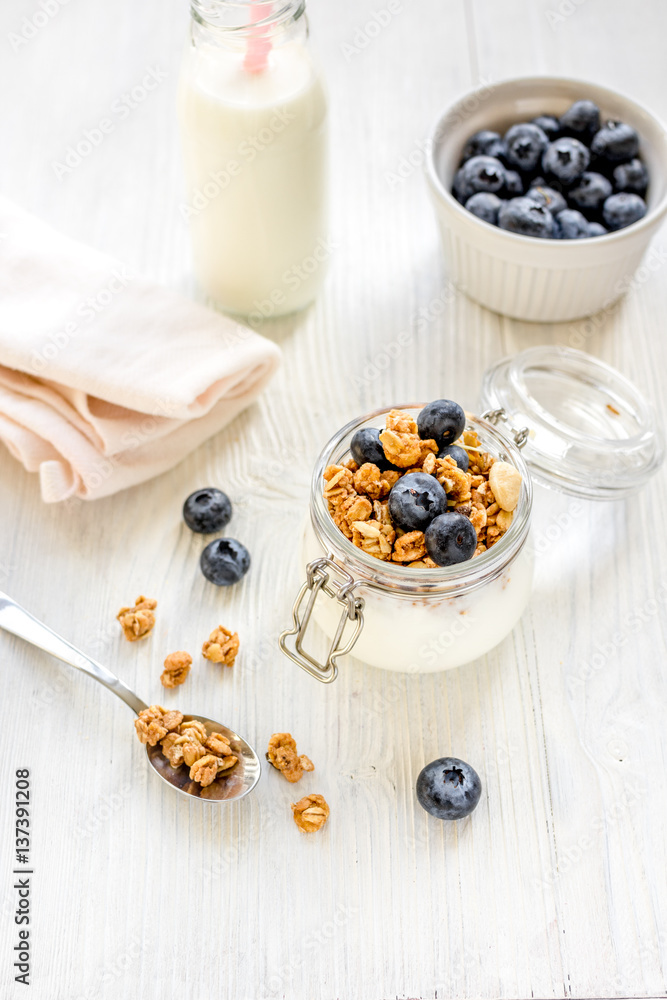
(429, 633)
(255, 159)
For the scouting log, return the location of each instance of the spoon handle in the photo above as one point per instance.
(18, 621)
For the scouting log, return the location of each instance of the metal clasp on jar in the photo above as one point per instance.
(519, 436)
(327, 577)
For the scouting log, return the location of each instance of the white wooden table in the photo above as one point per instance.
(556, 886)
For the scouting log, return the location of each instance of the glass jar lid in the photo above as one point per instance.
(585, 429)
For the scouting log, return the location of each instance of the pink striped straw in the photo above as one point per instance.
(259, 45)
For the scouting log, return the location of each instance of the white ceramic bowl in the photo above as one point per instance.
(521, 276)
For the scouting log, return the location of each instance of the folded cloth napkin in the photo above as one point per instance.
(107, 379)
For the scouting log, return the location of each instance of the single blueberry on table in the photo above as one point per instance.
(615, 142)
(443, 420)
(481, 173)
(566, 159)
(596, 229)
(572, 225)
(621, 210)
(365, 446)
(513, 184)
(415, 500)
(549, 125)
(460, 456)
(450, 539)
(484, 205)
(525, 144)
(581, 120)
(590, 191)
(526, 218)
(224, 561)
(448, 788)
(548, 197)
(632, 176)
(484, 143)
(207, 510)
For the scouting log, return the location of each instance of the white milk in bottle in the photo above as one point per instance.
(253, 119)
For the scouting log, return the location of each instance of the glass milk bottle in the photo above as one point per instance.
(253, 119)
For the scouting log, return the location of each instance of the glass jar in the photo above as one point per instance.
(560, 417)
(253, 115)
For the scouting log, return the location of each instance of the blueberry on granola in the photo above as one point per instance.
(460, 456)
(443, 420)
(448, 788)
(450, 538)
(365, 447)
(415, 500)
(224, 561)
(207, 510)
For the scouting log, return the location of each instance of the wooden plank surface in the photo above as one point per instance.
(556, 886)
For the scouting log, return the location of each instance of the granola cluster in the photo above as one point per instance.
(137, 622)
(222, 646)
(357, 496)
(310, 813)
(186, 743)
(282, 754)
(176, 669)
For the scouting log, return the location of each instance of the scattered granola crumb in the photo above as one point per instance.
(310, 813)
(155, 722)
(282, 754)
(222, 646)
(137, 622)
(176, 669)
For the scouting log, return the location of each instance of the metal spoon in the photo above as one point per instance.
(241, 779)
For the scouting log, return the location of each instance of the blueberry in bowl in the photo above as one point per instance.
(549, 197)
(581, 120)
(615, 142)
(590, 192)
(566, 159)
(525, 143)
(621, 210)
(483, 143)
(631, 176)
(572, 225)
(481, 173)
(526, 217)
(484, 205)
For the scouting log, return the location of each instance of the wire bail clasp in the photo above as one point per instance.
(519, 435)
(327, 577)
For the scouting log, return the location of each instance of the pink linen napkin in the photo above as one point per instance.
(107, 379)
